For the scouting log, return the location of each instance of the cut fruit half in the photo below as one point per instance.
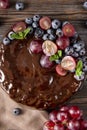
(45, 23)
(18, 27)
(68, 30)
(60, 70)
(49, 48)
(68, 63)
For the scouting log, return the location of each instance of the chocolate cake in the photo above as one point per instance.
(26, 77)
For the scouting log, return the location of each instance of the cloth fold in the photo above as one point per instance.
(30, 119)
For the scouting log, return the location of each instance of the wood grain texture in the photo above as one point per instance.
(70, 10)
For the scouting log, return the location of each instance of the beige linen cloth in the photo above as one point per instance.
(31, 119)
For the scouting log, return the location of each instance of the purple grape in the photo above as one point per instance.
(73, 125)
(36, 46)
(45, 62)
(59, 126)
(83, 124)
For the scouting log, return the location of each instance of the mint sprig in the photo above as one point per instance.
(20, 35)
(79, 67)
(26, 31)
(59, 53)
(56, 56)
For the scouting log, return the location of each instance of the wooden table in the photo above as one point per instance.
(71, 10)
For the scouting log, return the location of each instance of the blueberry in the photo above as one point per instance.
(84, 59)
(85, 67)
(82, 52)
(69, 51)
(81, 77)
(85, 5)
(59, 32)
(45, 37)
(19, 6)
(77, 47)
(36, 18)
(75, 54)
(35, 24)
(50, 31)
(29, 20)
(56, 24)
(31, 29)
(6, 41)
(52, 37)
(17, 111)
(38, 33)
(9, 35)
(74, 38)
(81, 44)
(85, 63)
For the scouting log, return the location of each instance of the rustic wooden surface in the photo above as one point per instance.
(71, 10)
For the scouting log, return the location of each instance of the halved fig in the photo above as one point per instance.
(68, 30)
(18, 27)
(60, 70)
(45, 23)
(68, 63)
(49, 48)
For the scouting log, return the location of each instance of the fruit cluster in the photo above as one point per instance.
(66, 118)
(57, 41)
(4, 4)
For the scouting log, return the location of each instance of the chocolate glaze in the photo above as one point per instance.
(28, 83)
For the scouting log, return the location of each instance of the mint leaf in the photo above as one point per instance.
(79, 68)
(54, 57)
(26, 31)
(16, 36)
(21, 35)
(60, 53)
(79, 64)
(78, 72)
